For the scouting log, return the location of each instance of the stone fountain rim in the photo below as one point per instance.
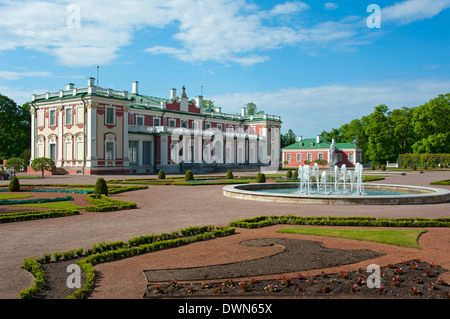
(423, 195)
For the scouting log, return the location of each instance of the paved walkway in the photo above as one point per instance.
(165, 209)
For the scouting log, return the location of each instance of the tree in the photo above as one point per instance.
(208, 105)
(431, 124)
(42, 164)
(14, 185)
(15, 127)
(251, 108)
(15, 164)
(288, 138)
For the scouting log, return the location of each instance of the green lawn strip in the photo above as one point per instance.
(398, 237)
(442, 182)
(66, 205)
(14, 196)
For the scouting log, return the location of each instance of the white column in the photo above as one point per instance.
(91, 135)
(140, 152)
(164, 149)
(33, 137)
(126, 160)
(60, 138)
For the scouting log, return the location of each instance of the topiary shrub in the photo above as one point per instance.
(289, 174)
(161, 175)
(295, 175)
(414, 167)
(260, 177)
(383, 167)
(189, 176)
(101, 187)
(230, 175)
(14, 185)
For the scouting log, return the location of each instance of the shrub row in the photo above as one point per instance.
(33, 266)
(34, 201)
(30, 215)
(443, 182)
(264, 221)
(104, 252)
(104, 204)
(431, 160)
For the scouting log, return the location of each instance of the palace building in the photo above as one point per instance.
(93, 130)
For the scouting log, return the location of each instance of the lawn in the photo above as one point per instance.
(397, 237)
(56, 205)
(14, 196)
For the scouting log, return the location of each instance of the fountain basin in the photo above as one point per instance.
(374, 194)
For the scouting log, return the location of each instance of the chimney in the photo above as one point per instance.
(317, 139)
(70, 86)
(199, 101)
(300, 138)
(333, 141)
(218, 109)
(90, 82)
(134, 87)
(173, 93)
(243, 111)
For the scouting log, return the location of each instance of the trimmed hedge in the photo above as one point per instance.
(35, 201)
(105, 252)
(104, 204)
(31, 215)
(264, 221)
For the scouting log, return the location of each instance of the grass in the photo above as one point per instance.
(56, 205)
(398, 237)
(14, 196)
(442, 182)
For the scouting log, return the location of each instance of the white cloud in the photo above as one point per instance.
(331, 6)
(414, 10)
(308, 111)
(288, 8)
(14, 75)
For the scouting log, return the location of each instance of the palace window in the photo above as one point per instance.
(52, 118)
(110, 116)
(69, 116)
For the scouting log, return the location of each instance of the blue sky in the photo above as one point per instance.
(317, 64)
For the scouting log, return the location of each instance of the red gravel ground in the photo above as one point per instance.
(168, 208)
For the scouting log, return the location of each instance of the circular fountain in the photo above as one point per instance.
(336, 186)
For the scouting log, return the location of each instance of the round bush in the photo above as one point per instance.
(161, 175)
(14, 185)
(189, 176)
(230, 175)
(383, 167)
(260, 178)
(289, 174)
(101, 187)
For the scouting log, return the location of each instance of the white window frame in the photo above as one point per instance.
(156, 121)
(219, 127)
(139, 117)
(320, 156)
(207, 126)
(299, 157)
(309, 157)
(339, 157)
(350, 157)
(50, 117)
(172, 123)
(69, 110)
(107, 110)
(288, 157)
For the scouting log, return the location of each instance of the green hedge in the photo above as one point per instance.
(105, 252)
(35, 201)
(31, 215)
(442, 182)
(264, 221)
(104, 204)
(431, 160)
